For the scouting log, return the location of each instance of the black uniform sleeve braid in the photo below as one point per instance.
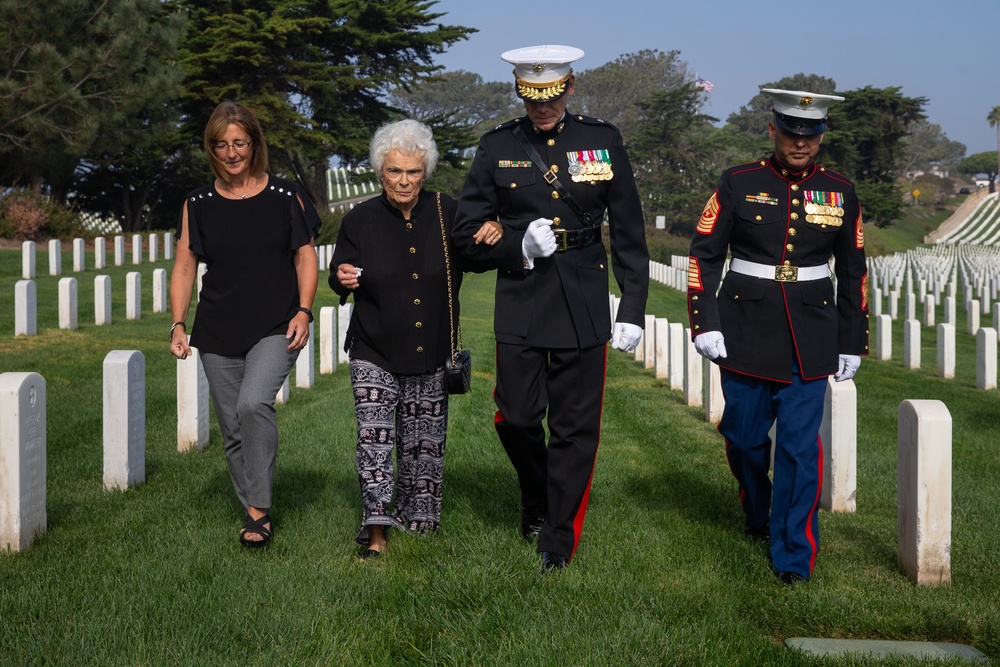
(629, 254)
(852, 281)
(477, 204)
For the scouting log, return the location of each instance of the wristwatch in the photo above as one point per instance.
(303, 309)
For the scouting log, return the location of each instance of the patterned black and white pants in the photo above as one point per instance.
(410, 413)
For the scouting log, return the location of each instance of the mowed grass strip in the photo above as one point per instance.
(663, 576)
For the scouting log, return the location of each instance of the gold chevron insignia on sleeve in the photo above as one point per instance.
(859, 233)
(708, 216)
(864, 292)
(694, 276)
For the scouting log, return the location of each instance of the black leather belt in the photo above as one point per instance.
(574, 239)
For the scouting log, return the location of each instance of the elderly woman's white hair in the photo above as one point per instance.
(406, 136)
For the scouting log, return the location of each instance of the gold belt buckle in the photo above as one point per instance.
(786, 274)
(562, 243)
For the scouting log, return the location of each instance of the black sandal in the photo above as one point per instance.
(251, 525)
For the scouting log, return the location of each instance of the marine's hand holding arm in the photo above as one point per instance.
(626, 336)
(849, 364)
(539, 241)
(711, 345)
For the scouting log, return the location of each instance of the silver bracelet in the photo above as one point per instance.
(173, 326)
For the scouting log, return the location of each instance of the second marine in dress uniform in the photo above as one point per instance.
(777, 327)
(552, 319)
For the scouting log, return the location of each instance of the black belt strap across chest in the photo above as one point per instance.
(550, 178)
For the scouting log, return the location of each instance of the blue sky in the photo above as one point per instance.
(944, 51)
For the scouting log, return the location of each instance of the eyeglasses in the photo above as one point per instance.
(222, 147)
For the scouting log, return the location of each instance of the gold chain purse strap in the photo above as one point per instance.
(447, 266)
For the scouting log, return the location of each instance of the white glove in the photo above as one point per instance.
(710, 345)
(539, 241)
(849, 364)
(626, 336)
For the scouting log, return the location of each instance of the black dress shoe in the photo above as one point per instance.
(531, 522)
(553, 561)
(759, 534)
(790, 578)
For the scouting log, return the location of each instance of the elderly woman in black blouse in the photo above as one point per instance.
(390, 255)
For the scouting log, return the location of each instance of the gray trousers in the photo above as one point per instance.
(243, 391)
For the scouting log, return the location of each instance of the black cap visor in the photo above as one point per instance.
(802, 126)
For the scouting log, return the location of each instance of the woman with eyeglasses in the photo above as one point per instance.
(254, 232)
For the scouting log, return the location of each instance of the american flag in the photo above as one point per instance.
(704, 85)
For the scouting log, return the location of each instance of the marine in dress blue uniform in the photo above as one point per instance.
(552, 318)
(778, 327)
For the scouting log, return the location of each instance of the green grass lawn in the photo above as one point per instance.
(663, 576)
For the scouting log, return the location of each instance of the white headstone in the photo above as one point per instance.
(160, 290)
(839, 434)
(154, 250)
(168, 246)
(923, 490)
(693, 385)
(911, 306)
(192, 403)
(911, 344)
(675, 353)
(68, 315)
(949, 310)
(972, 317)
(22, 459)
(283, 393)
(305, 363)
(133, 295)
(649, 342)
(883, 340)
(102, 300)
(327, 339)
(100, 253)
(661, 361)
(712, 398)
(661, 222)
(79, 255)
(25, 308)
(946, 350)
(124, 419)
(929, 310)
(119, 250)
(55, 258)
(28, 260)
(137, 249)
(986, 358)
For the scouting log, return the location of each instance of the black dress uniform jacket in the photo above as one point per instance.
(760, 212)
(563, 301)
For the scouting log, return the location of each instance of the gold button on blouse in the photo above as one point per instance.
(416, 276)
(416, 302)
(420, 348)
(413, 251)
(418, 325)
(409, 225)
